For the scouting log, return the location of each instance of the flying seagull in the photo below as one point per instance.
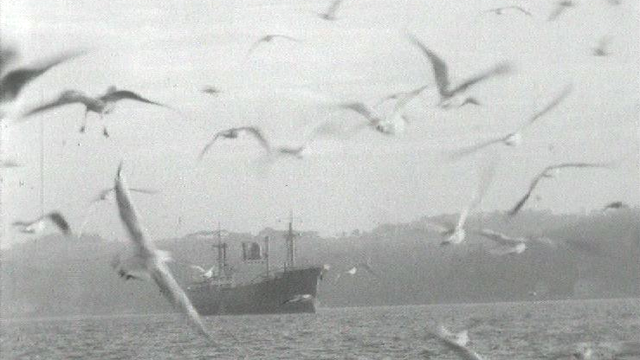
(364, 265)
(456, 234)
(501, 10)
(204, 274)
(398, 95)
(233, 133)
(101, 105)
(456, 342)
(8, 164)
(394, 122)
(298, 299)
(148, 259)
(616, 205)
(548, 172)
(508, 244)
(561, 7)
(513, 138)
(330, 13)
(601, 49)
(441, 74)
(269, 38)
(12, 83)
(211, 90)
(37, 225)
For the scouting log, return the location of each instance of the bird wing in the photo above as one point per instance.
(526, 196)
(500, 238)
(58, 219)
(500, 69)
(8, 164)
(333, 8)
(522, 10)
(155, 263)
(143, 191)
(440, 70)
(361, 109)
(579, 165)
(126, 94)
(286, 37)
(255, 44)
(176, 296)
(7, 56)
(67, 97)
(559, 9)
(460, 153)
(405, 98)
(567, 90)
(209, 144)
(198, 268)
(257, 133)
(460, 350)
(439, 228)
(12, 83)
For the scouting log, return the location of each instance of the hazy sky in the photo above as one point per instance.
(169, 51)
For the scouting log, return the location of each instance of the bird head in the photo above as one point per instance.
(111, 89)
(513, 139)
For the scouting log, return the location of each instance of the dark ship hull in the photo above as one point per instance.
(267, 296)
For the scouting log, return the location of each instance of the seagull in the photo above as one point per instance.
(441, 73)
(37, 225)
(12, 83)
(102, 105)
(205, 274)
(330, 14)
(513, 138)
(298, 299)
(456, 342)
(456, 234)
(398, 95)
(363, 265)
(211, 90)
(148, 259)
(104, 195)
(501, 10)
(270, 38)
(601, 49)
(233, 133)
(5, 164)
(561, 6)
(392, 124)
(548, 172)
(616, 205)
(508, 244)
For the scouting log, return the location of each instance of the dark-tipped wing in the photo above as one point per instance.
(67, 97)
(440, 70)
(333, 8)
(12, 83)
(526, 196)
(500, 69)
(567, 90)
(559, 9)
(59, 220)
(128, 95)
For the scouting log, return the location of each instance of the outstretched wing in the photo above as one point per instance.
(12, 83)
(526, 196)
(440, 70)
(67, 97)
(567, 90)
(361, 109)
(58, 219)
(130, 95)
(460, 153)
(500, 238)
(580, 165)
(333, 8)
(500, 69)
(155, 261)
(457, 347)
(198, 268)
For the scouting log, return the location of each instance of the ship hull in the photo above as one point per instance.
(269, 296)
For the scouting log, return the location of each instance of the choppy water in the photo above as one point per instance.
(502, 331)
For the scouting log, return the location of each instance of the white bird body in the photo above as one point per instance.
(147, 258)
(299, 299)
(456, 342)
(38, 225)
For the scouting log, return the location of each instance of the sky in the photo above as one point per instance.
(168, 52)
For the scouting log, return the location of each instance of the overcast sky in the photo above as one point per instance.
(168, 51)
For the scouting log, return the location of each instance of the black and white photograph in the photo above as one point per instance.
(320, 179)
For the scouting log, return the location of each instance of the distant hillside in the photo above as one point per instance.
(597, 255)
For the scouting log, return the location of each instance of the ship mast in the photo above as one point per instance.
(291, 250)
(222, 252)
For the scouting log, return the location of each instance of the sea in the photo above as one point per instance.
(526, 330)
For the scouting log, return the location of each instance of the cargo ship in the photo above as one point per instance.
(289, 289)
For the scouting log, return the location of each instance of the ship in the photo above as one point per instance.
(290, 289)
